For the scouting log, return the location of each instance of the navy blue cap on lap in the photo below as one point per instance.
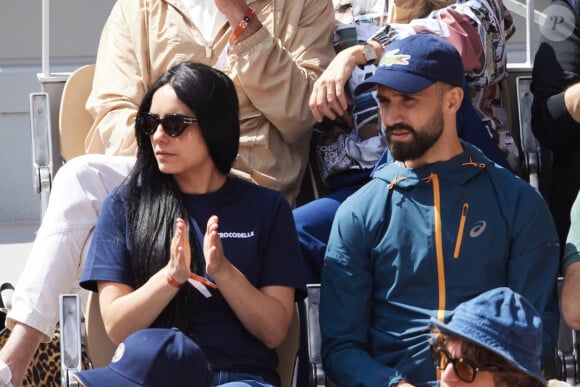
(153, 357)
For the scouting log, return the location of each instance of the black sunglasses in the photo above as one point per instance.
(464, 368)
(173, 124)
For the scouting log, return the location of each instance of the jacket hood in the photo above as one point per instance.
(458, 170)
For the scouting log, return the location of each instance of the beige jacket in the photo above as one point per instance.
(273, 71)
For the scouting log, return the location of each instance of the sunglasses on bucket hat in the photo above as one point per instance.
(464, 368)
(173, 124)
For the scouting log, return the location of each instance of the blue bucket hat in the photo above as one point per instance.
(503, 322)
(153, 357)
(414, 63)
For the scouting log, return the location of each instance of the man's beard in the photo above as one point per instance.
(422, 141)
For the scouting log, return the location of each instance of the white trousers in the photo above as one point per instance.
(58, 253)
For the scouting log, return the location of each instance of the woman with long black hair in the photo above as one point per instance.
(183, 244)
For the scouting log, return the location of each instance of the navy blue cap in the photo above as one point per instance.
(503, 322)
(153, 357)
(414, 63)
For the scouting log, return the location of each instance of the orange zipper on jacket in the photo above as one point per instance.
(460, 230)
(438, 246)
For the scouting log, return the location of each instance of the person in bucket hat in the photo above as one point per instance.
(438, 223)
(152, 357)
(492, 339)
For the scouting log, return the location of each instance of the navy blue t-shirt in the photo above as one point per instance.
(259, 238)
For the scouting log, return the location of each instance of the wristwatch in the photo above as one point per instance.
(369, 53)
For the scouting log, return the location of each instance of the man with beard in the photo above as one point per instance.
(438, 224)
(344, 153)
(272, 50)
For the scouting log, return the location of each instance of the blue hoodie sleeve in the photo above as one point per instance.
(345, 314)
(534, 261)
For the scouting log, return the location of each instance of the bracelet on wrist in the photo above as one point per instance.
(241, 27)
(172, 281)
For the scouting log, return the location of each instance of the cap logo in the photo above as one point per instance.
(393, 57)
(118, 353)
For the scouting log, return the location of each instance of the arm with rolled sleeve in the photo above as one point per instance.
(345, 308)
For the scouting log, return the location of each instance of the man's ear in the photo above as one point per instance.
(453, 98)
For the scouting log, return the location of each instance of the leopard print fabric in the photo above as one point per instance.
(44, 370)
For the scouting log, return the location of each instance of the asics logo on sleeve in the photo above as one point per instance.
(478, 229)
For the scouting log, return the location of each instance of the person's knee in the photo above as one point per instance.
(100, 172)
(314, 219)
(77, 167)
(301, 215)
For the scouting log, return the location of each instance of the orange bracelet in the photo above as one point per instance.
(203, 280)
(242, 26)
(172, 281)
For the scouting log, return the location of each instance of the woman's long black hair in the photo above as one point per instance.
(154, 200)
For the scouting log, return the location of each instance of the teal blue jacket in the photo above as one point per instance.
(413, 244)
